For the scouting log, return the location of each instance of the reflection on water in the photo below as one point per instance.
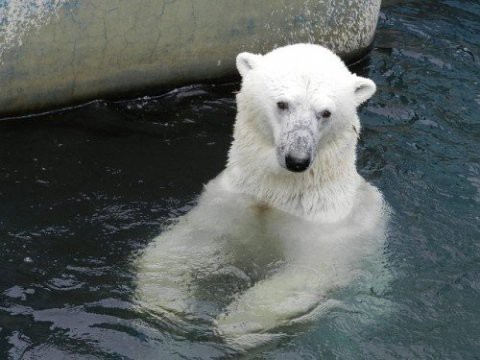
(83, 191)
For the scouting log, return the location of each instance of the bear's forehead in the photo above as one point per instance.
(304, 57)
(305, 72)
(300, 82)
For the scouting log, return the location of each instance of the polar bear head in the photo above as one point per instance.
(299, 99)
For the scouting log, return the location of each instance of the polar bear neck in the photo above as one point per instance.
(323, 193)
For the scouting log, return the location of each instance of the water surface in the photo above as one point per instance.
(83, 191)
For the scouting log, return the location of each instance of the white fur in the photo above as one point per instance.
(300, 234)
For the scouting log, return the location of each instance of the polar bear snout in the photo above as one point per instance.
(297, 150)
(297, 164)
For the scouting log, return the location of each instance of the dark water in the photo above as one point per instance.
(83, 191)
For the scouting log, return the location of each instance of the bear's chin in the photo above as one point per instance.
(296, 171)
(284, 171)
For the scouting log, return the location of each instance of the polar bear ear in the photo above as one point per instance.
(246, 62)
(363, 89)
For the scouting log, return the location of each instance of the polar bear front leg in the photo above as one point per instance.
(168, 266)
(164, 272)
(288, 296)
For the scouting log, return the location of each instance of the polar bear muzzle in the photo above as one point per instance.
(296, 151)
(297, 164)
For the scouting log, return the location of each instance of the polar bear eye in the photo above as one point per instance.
(326, 114)
(282, 105)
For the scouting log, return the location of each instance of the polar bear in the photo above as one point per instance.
(289, 219)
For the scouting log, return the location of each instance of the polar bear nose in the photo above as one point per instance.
(297, 164)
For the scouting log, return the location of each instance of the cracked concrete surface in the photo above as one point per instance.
(59, 52)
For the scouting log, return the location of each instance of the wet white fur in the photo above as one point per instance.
(303, 234)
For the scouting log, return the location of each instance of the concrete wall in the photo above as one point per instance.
(58, 52)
